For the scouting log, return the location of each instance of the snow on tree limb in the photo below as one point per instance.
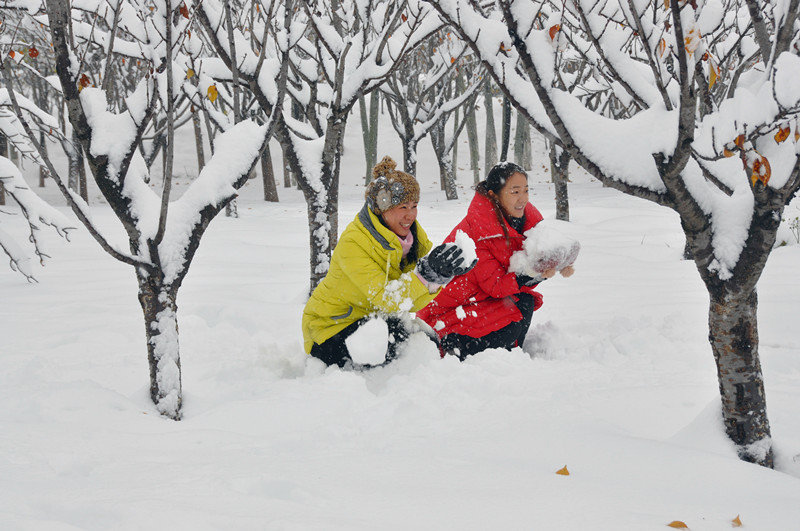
(36, 213)
(660, 57)
(79, 207)
(234, 153)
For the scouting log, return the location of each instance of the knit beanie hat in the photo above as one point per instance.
(390, 187)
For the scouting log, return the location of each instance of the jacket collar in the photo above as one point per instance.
(379, 231)
(482, 210)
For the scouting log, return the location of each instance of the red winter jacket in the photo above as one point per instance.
(482, 300)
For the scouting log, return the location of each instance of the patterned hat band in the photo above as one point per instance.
(388, 195)
(390, 187)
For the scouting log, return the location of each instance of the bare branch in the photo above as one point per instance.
(71, 198)
(761, 32)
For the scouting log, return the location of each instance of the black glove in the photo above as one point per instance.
(525, 280)
(443, 263)
(465, 268)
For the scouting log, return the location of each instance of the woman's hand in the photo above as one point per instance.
(566, 272)
(443, 263)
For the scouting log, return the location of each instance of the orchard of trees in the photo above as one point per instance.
(691, 104)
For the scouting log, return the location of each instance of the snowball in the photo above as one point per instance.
(367, 345)
(467, 246)
(544, 248)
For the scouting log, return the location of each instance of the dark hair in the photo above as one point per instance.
(494, 182)
(500, 173)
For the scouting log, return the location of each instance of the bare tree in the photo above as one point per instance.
(163, 235)
(694, 143)
(36, 213)
(443, 142)
(343, 49)
(422, 96)
(33, 210)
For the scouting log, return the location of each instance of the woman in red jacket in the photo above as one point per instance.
(490, 307)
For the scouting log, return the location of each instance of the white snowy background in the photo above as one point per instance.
(616, 381)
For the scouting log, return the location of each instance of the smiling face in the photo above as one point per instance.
(513, 196)
(400, 218)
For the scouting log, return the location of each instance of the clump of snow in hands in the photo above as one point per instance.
(367, 345)
(467, 246)
(544, 248)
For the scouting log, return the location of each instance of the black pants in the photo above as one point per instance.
(334, 350)
(508, 336)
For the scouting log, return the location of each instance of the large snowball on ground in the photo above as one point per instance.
(367, 345)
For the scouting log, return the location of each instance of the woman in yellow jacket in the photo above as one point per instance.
(379, 269)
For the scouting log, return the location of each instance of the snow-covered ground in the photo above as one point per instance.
(616, 381)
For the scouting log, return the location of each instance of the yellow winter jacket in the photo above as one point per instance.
(364, 278)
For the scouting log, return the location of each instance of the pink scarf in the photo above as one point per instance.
(406, 243)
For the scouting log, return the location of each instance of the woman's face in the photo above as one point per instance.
(400, 218)
(513, 196)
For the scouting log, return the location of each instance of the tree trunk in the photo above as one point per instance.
(559, 171)
(163, 353)
(448, 176)
(209, 132)
(369, 131)
(13, 156)
(232, 210)
(42, 169)
(687, 251)
(198, 140)
(75, 162)
(268, 174)
(733, 333)
(287, 170)
(454, 151)
(84, 188)
(506, 137)
(323, 202)
(472, 139)
(365, 136)
(321, 241)
(490, 149)
(76, 180)
(410, 154)
(522, 143)
(3, 153)
(733, 324)
(374, 108)
(446, 173)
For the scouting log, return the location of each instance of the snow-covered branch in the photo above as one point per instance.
(36, 213)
